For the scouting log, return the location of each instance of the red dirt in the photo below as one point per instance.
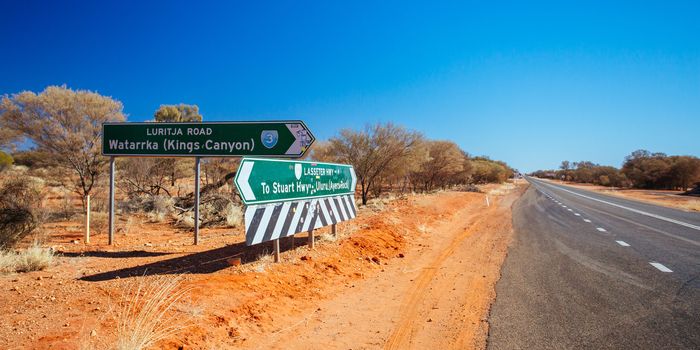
(403, 277)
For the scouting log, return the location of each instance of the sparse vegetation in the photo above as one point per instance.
(20, 202)
(386, 156)
(5, 160)
(34, 258)
(147, 312)
(641, 169)
(66, 125)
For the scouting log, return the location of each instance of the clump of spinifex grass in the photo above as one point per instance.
(147, 314)
(34, 258)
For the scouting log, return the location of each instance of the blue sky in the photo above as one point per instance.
(531, 83)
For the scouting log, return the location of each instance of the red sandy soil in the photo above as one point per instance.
(418, 273)
(666, 198)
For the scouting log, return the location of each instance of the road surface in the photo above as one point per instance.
(587, 270)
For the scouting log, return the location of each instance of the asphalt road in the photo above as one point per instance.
(590, 271)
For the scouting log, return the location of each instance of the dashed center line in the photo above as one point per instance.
(564, 206)
(661, 267)
(586, 220)
(577, 214)
(623, 243)
(569, 209)
(601, 229)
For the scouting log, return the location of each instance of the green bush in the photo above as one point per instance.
(5, 160)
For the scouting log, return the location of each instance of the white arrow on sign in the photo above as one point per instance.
(242, 180)
(354, 179)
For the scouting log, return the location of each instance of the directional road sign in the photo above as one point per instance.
(274, 180)
(289, 138)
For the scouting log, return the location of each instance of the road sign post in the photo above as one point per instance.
(197, 177)
(111, 201)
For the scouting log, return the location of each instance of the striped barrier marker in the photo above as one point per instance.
(267, 222)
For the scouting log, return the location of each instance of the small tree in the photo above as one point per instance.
(181, 113)
(445, 161)
(67, 125)
(178, 113)
(374, 152)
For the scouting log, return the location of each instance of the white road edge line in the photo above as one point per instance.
(623, 243)
(695, 227)
(661, 267)
(601, 229)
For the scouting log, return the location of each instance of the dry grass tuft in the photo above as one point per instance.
(691, 205)
(147, 312)
(34, 258)
(423, 228)
(7, 261)
(503, 189)
(329, 237)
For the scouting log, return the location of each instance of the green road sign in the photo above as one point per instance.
(214, 139)
(273, 180)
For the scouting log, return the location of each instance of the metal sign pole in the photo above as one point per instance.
(196, 200)
(276, 244)
(111, 200)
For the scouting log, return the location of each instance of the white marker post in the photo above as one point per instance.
(487, 201)
(87, 219)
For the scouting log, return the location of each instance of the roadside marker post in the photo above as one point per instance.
(87, 220)
(284, 139)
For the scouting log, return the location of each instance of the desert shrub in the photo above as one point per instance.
(185, 220)
(5, 160)
(233, 215)
(158, 208)
(99, 222)
(20, 192)
(20, 200)
(15, 224)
